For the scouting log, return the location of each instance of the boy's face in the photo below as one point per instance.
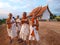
(24, 14)
(17, 16)
(10, 15)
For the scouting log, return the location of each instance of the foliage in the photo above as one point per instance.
(2, 21)
(57, 18)
(52, 16)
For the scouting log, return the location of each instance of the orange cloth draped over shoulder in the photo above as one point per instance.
(32, 21)
(24, 20)
(9, 24)
(37, 27)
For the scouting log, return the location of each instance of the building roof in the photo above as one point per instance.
(35, 11)
(39, 11)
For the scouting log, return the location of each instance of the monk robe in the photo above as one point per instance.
(33, 25)
(24, 28)
(8, 23)
(11, 28)
(34, 30)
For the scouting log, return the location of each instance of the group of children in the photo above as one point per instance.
(26, 30)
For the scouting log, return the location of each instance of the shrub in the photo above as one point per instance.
(2, 21)
(58, 18)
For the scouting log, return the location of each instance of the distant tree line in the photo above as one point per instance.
(55, 17)
(2, 21)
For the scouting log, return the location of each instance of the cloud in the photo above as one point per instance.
(27, 5)
(49, 0)
(53, 1)
(17, 1)
(54, 6)
(7, 6)
(4, 11)
(14, 0)
(4, 5)
(18, 4)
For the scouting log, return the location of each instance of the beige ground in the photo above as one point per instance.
(49, 34)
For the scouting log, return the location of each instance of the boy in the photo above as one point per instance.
(11, 27)
(34, 27)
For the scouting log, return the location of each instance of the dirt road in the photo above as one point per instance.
(49, 34)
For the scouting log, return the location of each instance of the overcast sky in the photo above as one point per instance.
(18, 6)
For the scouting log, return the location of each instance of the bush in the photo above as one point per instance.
(52, 17)
(2, 21)
(58, 18)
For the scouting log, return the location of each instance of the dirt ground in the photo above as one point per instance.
(49, 34)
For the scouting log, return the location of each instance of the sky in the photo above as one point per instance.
(16, 7)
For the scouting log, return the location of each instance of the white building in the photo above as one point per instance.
(42, 12)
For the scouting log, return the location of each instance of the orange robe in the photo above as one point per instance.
(32, 20)
(8, 25)
(24, 28)
(24, 20)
